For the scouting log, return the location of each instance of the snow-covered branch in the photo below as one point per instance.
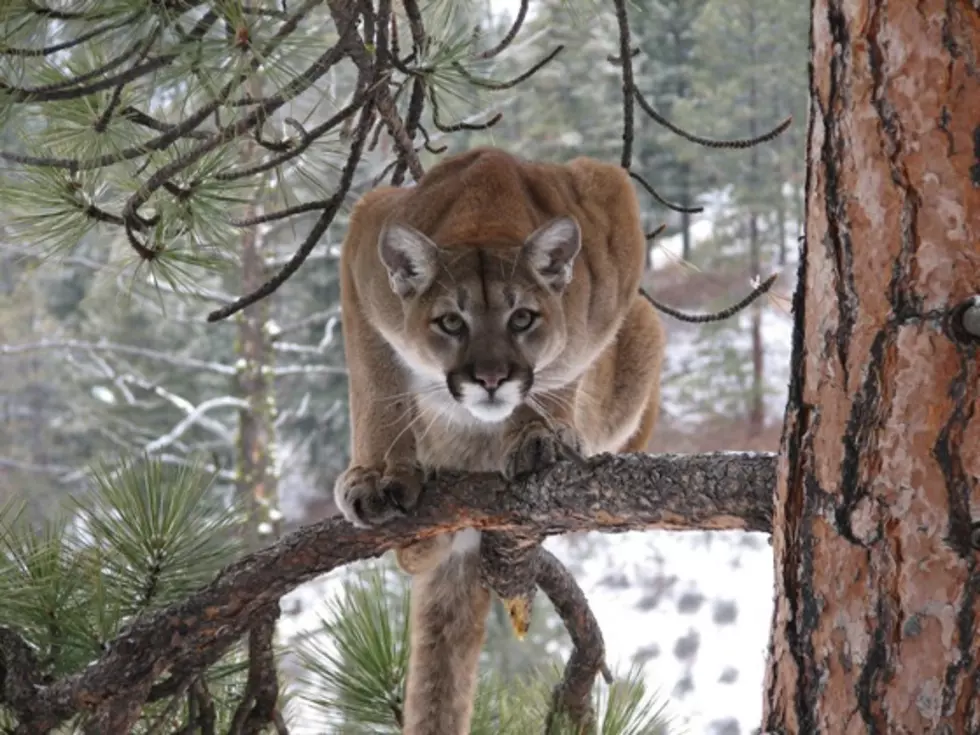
(195, 415)
(112, 347)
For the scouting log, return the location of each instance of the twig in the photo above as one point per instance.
(258, 706)
(205, 705)
(141, 118)
(456, 127)
(76, 41)
(280, 214)
(511, 33)
(102, 122)
(611, 493)
(622, 19)
(309, 137)
(66, 90)
(398, 133)
(510, 83)
(718, 315)
(654, 233)
(653, 192)
(413, 123)
(329, 211)
(428, 142)
(709, 142)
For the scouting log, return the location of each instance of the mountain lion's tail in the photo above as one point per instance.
(449, 608)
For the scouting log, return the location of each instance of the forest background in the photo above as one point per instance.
(101, 361)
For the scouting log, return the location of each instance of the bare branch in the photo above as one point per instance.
(709, 142)
(285, 370)
(716, 316)
(573, 696)
(653, 192)
(456, 127)
(258, 706)
(510, 83)
(76, 41)
(622, 19)
(195, 415)
(329, 211)
(510, 35)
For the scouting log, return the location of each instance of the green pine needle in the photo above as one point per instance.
(44, 591)
(356, 671)
(629, 709)
(160, 531)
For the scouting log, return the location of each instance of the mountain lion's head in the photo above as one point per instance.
(482, 319)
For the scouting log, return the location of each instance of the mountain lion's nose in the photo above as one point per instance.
(491, 376)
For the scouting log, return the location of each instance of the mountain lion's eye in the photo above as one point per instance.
(521, 320)
(451, 324)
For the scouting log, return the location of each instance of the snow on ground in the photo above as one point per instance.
(697, 610)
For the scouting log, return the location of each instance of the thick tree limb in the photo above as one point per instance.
(608, 493)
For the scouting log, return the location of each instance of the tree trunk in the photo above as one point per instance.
(686, 201)
(877, 582)
(258, 483)
(757, 406)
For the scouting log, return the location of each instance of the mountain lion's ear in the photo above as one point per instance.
(410, 258)
(551, 250)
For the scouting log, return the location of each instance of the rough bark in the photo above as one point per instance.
(877, 581)
(608, 493)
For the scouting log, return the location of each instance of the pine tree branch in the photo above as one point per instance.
(258, 707)
(610, 493)
(710, 142)
(71, 43)
(510, 35)
(330, 208)
(573, 696)
(70, 89)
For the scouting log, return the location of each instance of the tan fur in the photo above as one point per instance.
(591, 363)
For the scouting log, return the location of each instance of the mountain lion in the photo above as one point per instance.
(491, 320)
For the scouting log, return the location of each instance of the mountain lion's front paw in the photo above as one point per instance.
(370, 496)
(537, 447)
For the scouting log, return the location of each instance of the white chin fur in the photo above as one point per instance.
(478, 403)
